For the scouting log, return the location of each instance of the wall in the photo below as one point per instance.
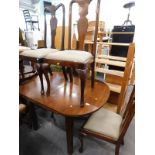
(111, 11)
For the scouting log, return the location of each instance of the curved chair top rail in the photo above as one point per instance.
(82, 23)
(53, 24)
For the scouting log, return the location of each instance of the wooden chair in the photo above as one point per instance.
(37, 55)
(78, 59)
(29, 19)
(109, 126)
(117, 65)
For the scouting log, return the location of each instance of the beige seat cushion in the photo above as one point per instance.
(105, 122)
(71, 56)
(38, 53)
(23, 48)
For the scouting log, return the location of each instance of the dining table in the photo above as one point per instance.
(64, 99)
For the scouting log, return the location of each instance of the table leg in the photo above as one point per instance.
(34, 117)
(69, 134)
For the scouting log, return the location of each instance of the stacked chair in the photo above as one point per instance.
(117, 66)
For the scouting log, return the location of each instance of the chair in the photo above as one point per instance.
(109, 126)
(78, 59)
(117, 65)
(29, 19)
(27, 115)
(37, 55)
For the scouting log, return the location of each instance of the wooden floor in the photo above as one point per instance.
(110, 106)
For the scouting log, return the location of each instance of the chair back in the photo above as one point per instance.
(126, 77)
(53, 24)
(91, 28)
(27, 16)
(128, 114)
(82, 23)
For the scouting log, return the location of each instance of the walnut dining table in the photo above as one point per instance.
(64, 99)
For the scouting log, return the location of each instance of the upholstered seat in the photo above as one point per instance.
(23, 48)
(105, 122)
(71, 56)
(38, 53)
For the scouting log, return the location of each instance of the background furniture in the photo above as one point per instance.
(111, 65)
(65, 98)
(109, 126)
(128, 6)
(120, 79)
(89, 39)
(31, 20)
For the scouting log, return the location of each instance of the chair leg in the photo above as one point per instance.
(64, 73)
(82, 74)
(81, 142)
(45, 69)
(52, 116)
(35, 124)
(122, 142)
(40, 73)
(33, 67)
(38, 27)
(50, 70)
(70, 74)
(117, 149)
(92, 74)
(21, 68)
(32, 26)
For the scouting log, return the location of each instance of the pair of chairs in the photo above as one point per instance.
(78, 59)
(109, 126)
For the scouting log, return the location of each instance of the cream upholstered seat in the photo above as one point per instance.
(105, 122)
(71, 56)
(23, 48)
(38, 53)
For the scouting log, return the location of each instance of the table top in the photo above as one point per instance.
(65, 96)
